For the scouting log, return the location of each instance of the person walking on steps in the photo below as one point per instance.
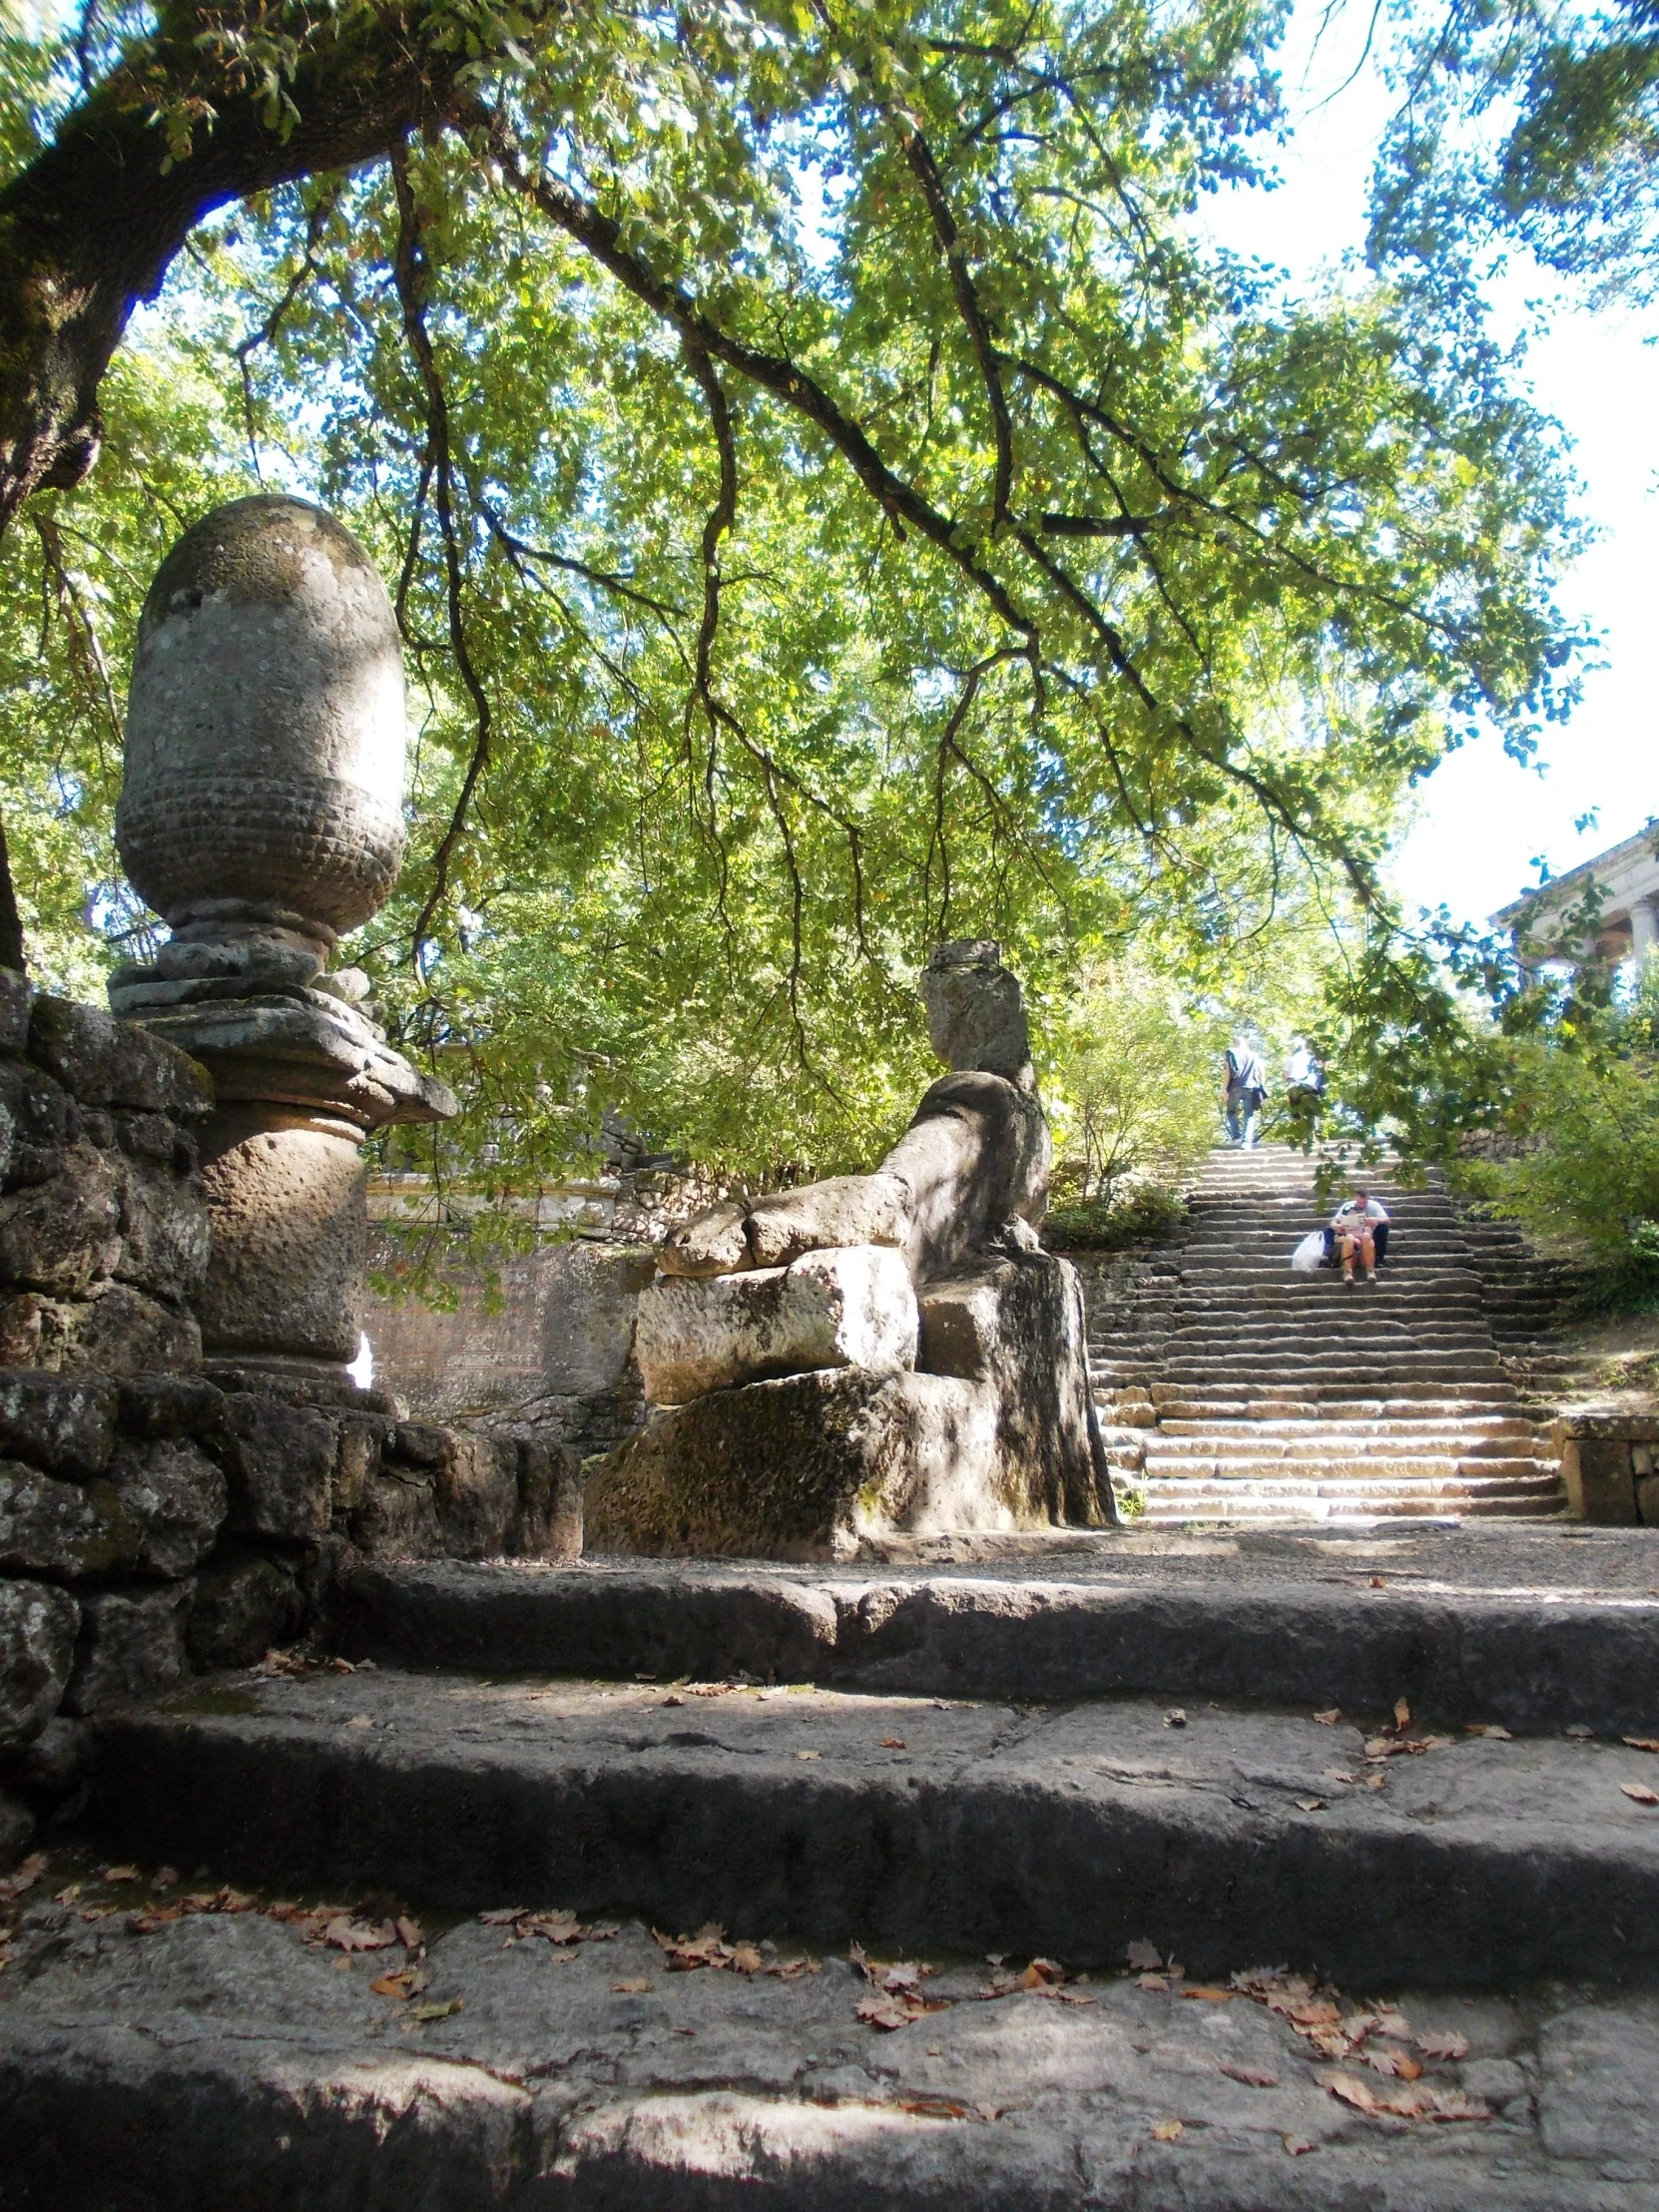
(1304, 1080)
(1246, 1087)
(1360, 1230)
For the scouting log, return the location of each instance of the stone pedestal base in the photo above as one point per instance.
(290, 1233)
(811, 1465)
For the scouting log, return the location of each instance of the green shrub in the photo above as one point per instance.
(1144, 1214)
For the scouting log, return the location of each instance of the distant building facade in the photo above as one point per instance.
(1542, 923)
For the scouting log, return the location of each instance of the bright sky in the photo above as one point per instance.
(1481, 817)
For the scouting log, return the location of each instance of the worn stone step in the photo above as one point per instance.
(1293, 1480)
(1095, 1620)
(223, 2059)
(920, 1824)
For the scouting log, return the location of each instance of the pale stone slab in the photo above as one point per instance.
(834, 1309)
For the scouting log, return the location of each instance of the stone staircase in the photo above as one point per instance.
(432, 1932)
(1232, 1390)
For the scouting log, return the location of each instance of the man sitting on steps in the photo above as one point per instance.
(1360, 1226)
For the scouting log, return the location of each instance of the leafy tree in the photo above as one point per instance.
(833, 503)
(1134, 1080)
(1530, 123)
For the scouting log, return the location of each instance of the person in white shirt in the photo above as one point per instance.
(1360, 1231)
(1245, 1085)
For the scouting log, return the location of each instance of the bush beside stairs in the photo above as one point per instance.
(1232, 1390)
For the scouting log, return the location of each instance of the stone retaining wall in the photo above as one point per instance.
(1610, 1465)
(156, 1514)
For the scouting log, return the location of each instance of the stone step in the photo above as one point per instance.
(1289, 1478)
(1463, 1427)
(1265, 1409)
(1100, 1619)
(925, 1825)
(1164, 1509)
(223, 2059)
(1245, 1442)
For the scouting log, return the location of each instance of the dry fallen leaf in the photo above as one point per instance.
(1167, 2131)
(1422, 2101)
(1490, 1729)
(408, 1931)
(1209, 1996)
(1402, 1715)
(1313, 1804)
(425, 2012)
(1330, 1718)
(1253, 2077)
(708, 1947)
(897, 2010)
(118, 1874)
(935, 2108)
(674, 1701)
(635, 1986)
(1398, 2064)
(805, 1755)
(1643, 1742)
(1298, 2145)
(407, 1983)
(1143, 1956)
(341, 1666)
(352, 1934)
(746, 1959)
(1444, 2044)
(1640, 1792)
(1176, 1717)
(1375, 1583)
(1043, 1971)
(1152, 1981)
(25, 1877)
(893, 1743)
(166, 1877)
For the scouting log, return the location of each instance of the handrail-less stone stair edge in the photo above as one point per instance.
(1290, 1866)
(1232, 1389)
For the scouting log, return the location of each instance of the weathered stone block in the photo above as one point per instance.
(121, 1331)
(44, 1119)
(1647, 1500)
(38, 1627)
(171, 1504)
(834, 1308)
(1599, 1485)
(63, 1235)
(171, 1406)
(804, 1466)
(397, 1517)
(166, 1236)
(16, 1827)
(103, 1062)
(62, 1422)
(476, 1495)
(56, 1759)
(279, 1461)
(813, 1465)
(363, 1437)
(131, 1642)
(244, 1605)
(421, 1445)
(16, 997)
(842, 1211)
(53, 1528)
(549, 1523)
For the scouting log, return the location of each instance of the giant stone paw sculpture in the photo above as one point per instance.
(873, 1353)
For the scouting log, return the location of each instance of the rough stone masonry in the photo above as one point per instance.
(875, 1353)
(186, 1466)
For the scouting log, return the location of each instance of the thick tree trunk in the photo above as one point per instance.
(90, 228)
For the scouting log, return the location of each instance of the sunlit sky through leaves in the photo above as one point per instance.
(1483, 819)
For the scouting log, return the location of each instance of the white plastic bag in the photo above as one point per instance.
(1310, 1253)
